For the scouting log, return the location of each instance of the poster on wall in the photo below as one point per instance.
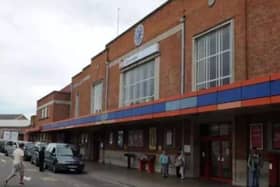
(256, 136)
(276, 136)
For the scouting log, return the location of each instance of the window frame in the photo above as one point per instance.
(231, 56)
(151, 59)
(135, 144)
(92, 100)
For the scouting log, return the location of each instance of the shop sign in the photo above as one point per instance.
(256, 136)
(152, 49)
(276, 136)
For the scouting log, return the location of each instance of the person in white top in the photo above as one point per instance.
(17, 164)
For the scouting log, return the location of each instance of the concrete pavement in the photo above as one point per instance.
(49, 179)
(97, 175)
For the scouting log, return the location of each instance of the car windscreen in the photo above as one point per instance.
(64, 150)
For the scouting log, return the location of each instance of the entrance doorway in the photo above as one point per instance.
(216, 152)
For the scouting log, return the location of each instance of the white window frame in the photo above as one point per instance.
(94, 108)
(77, 104)
(44, 112)
(232, 62)
(153, 60)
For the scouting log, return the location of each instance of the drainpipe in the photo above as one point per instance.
(106, 80)
(182, 21)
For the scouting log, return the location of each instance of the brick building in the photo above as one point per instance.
(202, 76)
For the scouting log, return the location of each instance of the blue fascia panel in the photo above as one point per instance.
(229, 95)
(207, 99)
(275, 87)
(172, 105)
(188, 102)
(158, 108)
(143, 110)
(256, 91)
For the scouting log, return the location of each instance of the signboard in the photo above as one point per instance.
(10, 135)
(139, 55)
(256, 136)
(276, 136)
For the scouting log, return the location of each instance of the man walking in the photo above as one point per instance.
(41, 158)
(17, 164)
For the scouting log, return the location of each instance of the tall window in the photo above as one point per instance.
(213, 62)
(77, 105)
(44, 113)
(96, 97)
(135, 138)
(139, 84)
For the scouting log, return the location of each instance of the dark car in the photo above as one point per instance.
(28, 149)
(35, 152)
(62, 157)
(2, 145)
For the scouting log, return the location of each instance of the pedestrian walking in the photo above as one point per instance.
(18, 166)
(41, 158)
(254, 166)
(178, 164)
(182, 162)
(164, 162)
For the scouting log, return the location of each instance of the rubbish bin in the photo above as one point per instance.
(151, 163)
(142, 162)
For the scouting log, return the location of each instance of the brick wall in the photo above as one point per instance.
(83, 82)
(263, 37)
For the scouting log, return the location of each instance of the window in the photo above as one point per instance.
(213, 62)
(77, 105)
(44, 113)
(139, 84)
(152, 138)
(120, 139)
(96, 97)
(169, 138)
(135, 138)
(111, 138)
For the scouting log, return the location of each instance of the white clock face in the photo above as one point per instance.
(139, 34)
(211, 2)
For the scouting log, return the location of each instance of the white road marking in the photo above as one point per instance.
(27, 178)
(49, 179)
(4, 161)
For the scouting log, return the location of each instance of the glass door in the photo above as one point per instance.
(215, 159)
(226, 159)
(221, 159)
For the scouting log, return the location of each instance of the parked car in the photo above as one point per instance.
(61, 157)
(28, 149)
(35, 152)
(2, 145)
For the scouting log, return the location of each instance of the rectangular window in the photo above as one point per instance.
(111, 138)
(139, 84)
(44, 113)
(96, 97)
(135, 138)
(77, 105)
(152, 138)
(213, 62)
(169, 138)
(120, 138)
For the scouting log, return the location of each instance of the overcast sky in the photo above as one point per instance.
(43, 43)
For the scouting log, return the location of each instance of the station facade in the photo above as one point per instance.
(199, 76)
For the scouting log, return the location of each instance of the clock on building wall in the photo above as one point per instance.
(211, 2)
(138, 34)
